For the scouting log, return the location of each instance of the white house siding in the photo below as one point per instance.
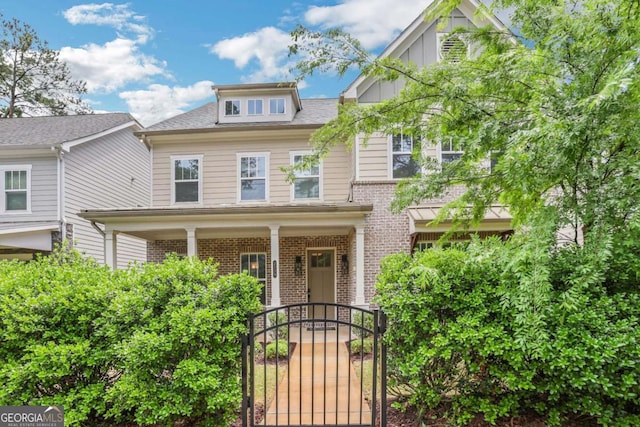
(220, 165)
(110, 172)
(43, 189)
(421, 51)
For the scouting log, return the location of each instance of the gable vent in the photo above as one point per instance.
(452, 47)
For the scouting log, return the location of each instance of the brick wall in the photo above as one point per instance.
(293, 288)
(385, 232)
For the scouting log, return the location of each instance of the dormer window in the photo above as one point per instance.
(452, 47)
(254, 107)
(232, 107)
(276, 106)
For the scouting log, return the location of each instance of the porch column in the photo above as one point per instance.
(110, 248)
(275, 265)
(192, 245)
(359, 265)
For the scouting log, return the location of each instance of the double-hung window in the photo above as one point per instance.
(276, 106)
(254, 107)
(255, 264)
(252, 179)
(403, 164)
(16, 188)
(232, 107)
(186, 179)
(450, 150)
(308, 182)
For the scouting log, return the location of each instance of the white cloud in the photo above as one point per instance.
(159, 102)
(374, 22)
(111, 66)
(118, 16)
(268, 46)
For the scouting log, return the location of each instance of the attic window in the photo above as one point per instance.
(452, 47)
(232, 108)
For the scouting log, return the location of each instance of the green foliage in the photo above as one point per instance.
(361, 346)
(276, 349)
(151, 344)
(454, 334)
(280, 332)
(33, 80)
(362, 322)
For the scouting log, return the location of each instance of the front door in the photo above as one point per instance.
(322, 283)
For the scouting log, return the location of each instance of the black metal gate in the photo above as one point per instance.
(303, 368)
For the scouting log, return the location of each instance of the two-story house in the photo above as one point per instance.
(53, 167)
(218, 190)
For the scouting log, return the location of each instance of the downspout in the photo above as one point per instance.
(62, 221)
(98, 229)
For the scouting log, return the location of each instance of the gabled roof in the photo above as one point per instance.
(415, 29)
(315, 113)
(65, 131)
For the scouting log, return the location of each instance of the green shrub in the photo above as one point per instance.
(147, 345)
(281, 332)
(279, 349)
(361, 321)
(455, 333)
(361, 346)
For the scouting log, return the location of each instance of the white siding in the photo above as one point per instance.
(110, 172)
(43, 189)
(422, 51)
(220, 173)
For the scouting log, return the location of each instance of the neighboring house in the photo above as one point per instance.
(218, 190)
(51, 168)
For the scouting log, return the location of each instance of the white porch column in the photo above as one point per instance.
(192, 244)
(110, 248)
(359, 265)
(275, 265)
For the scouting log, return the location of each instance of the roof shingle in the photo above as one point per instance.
(53, 130)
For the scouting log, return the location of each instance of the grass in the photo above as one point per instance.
(264, 394)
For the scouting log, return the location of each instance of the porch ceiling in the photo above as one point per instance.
(232, 221)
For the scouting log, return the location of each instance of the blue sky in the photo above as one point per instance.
(158, 58)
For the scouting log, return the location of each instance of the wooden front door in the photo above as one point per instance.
(322, 283)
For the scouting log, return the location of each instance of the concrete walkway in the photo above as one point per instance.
(320, 386)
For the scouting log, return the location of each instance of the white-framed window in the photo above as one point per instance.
(452, 47)
(450, 150)
(15, 182)
(253, 176)
(254, 107)
(232, 107)
(308, 182)
(255, 264)
(403, 164)
(186, 179)
(276, 106)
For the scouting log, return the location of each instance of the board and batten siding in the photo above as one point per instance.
(220, 166)
(44, 189)
(110, 172)
(422, 51)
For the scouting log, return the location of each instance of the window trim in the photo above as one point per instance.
(173, 159)
(232, 101)
(284, 106)
(266, 273)
(239, 157)
(292, 156)
(391, 154)
(255, 100)
(15, 168)
(441, 151)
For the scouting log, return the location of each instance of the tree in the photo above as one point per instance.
(555, 108)
(33, 80)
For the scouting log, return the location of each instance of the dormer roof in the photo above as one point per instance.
(259, 88)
